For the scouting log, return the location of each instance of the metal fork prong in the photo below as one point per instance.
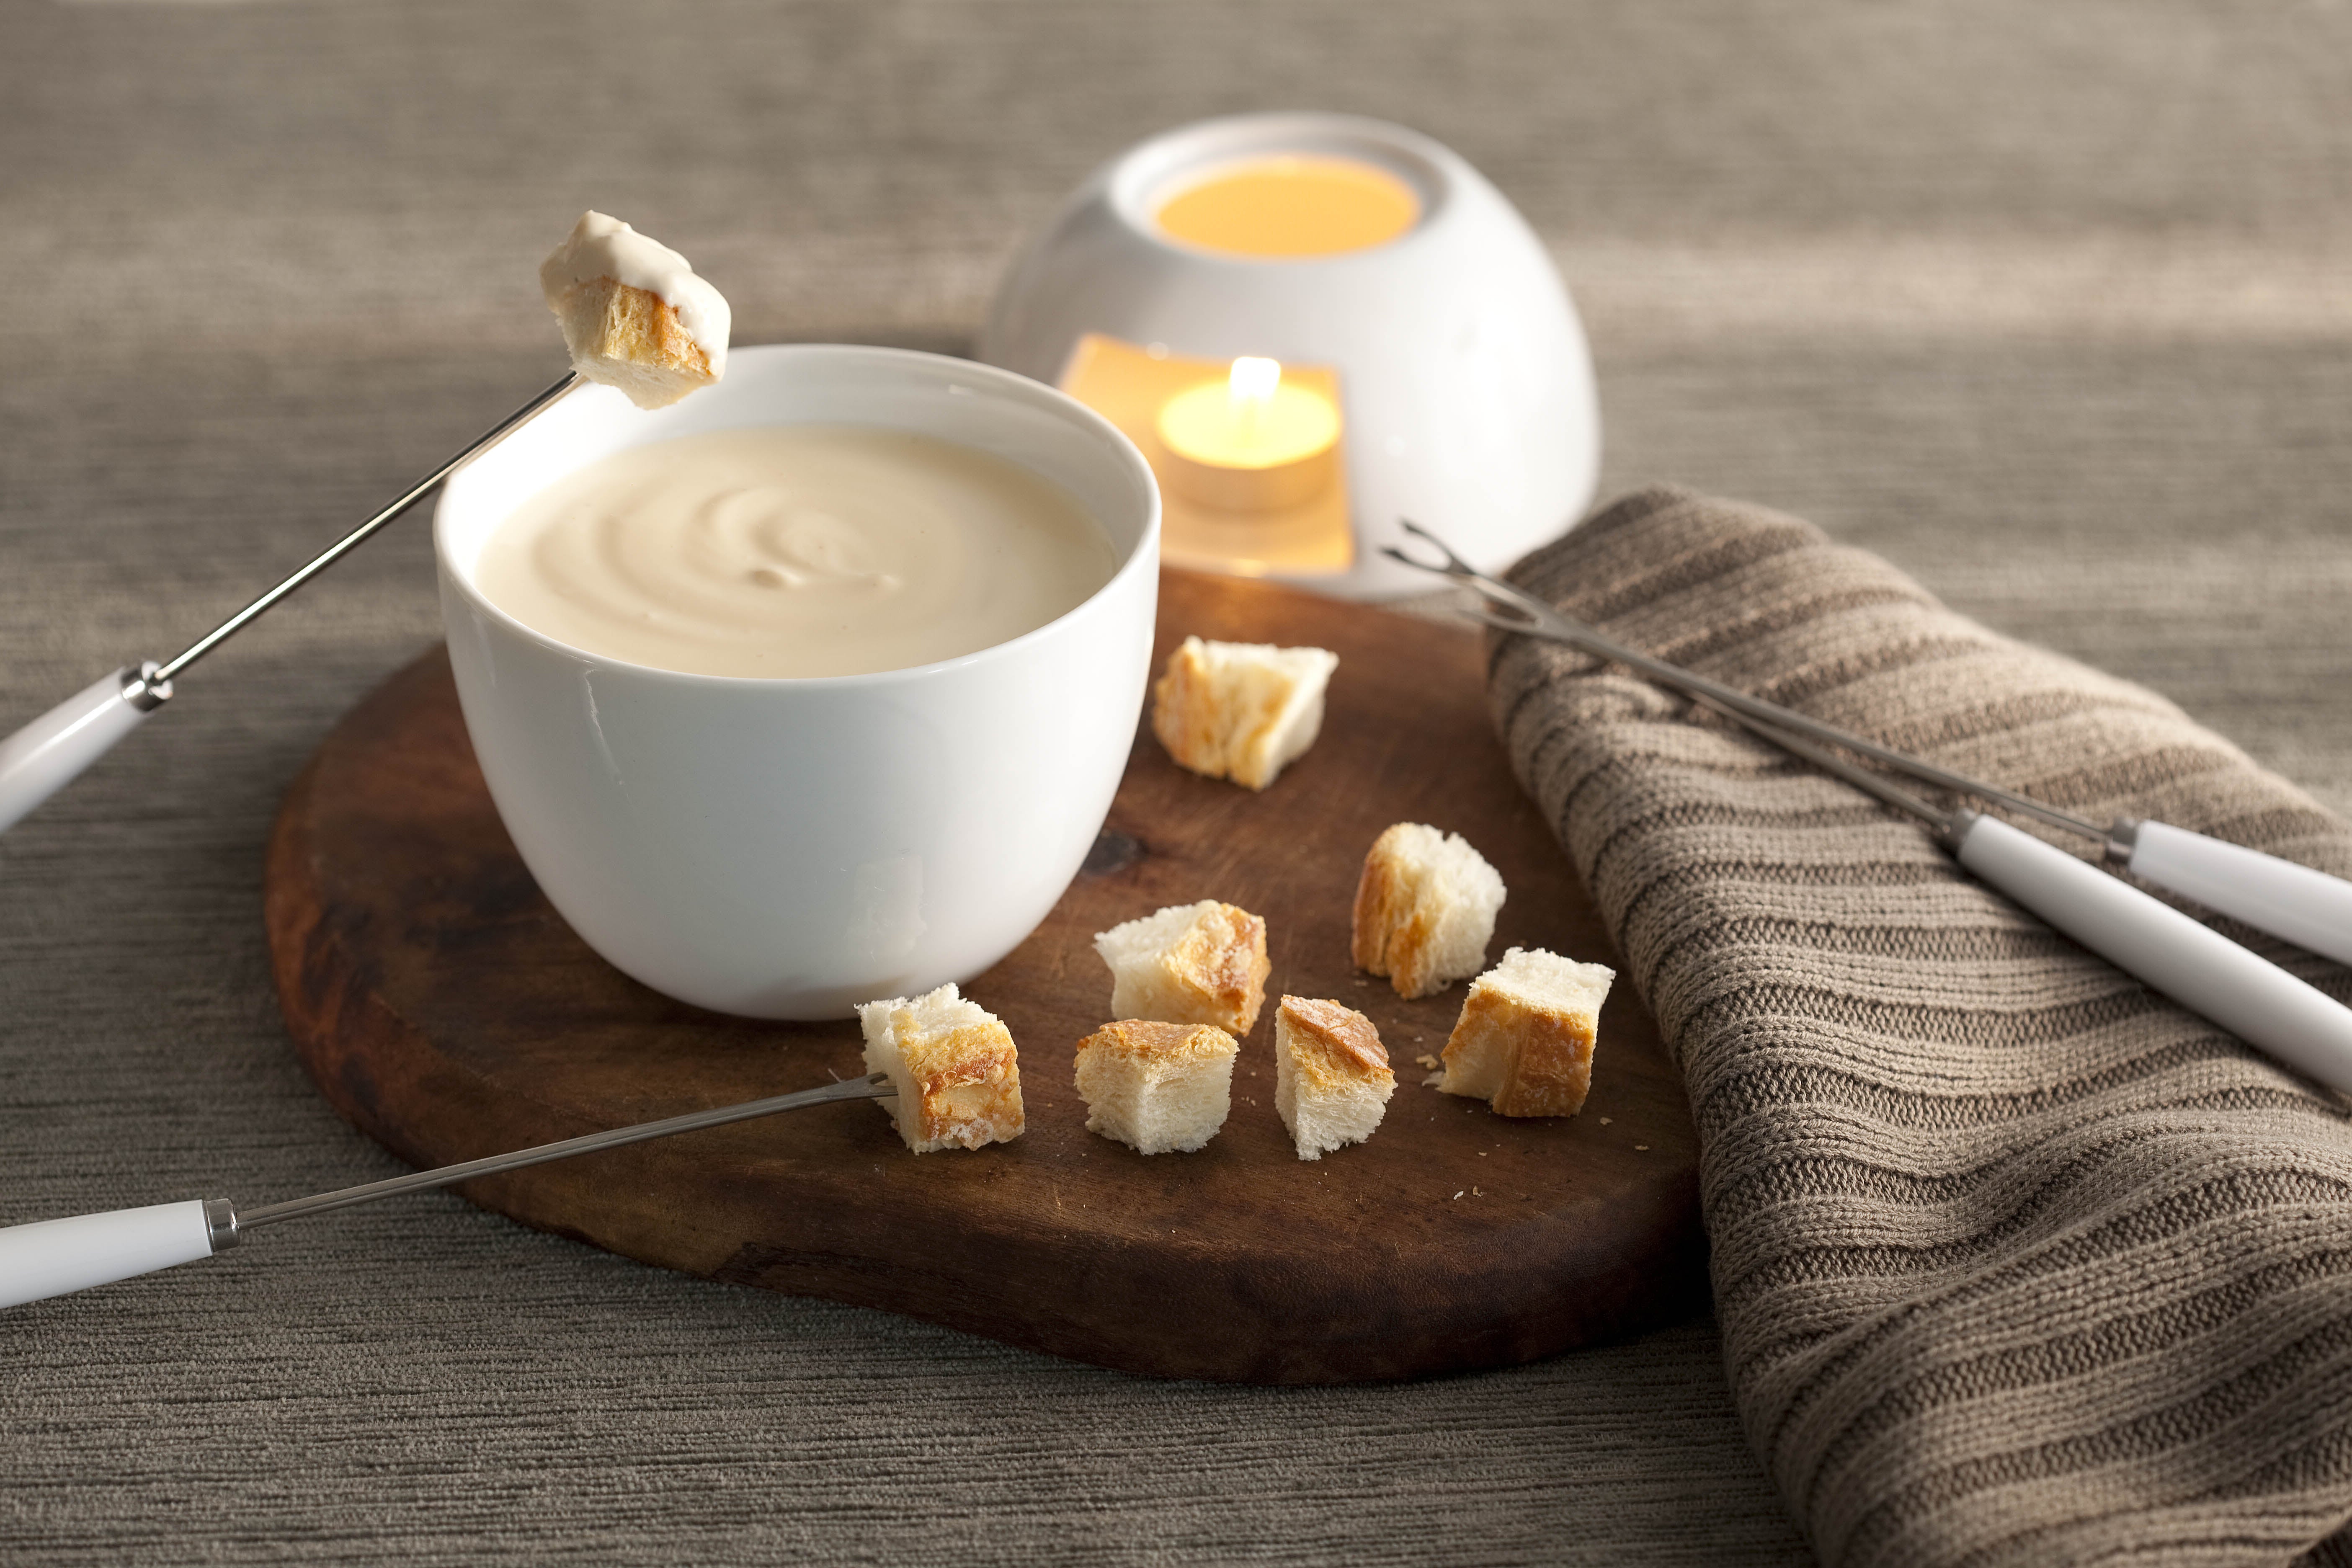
(1531, 608)
(1544, 620)
(1453, 560)
(1454, 566)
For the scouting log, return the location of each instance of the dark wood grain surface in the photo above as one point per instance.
(443, 1007)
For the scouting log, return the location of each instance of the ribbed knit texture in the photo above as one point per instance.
(2016, 1261)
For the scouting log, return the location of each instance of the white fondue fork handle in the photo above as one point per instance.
(53, 1257)
(47, 754)
(2310, 909)
(2195, 965)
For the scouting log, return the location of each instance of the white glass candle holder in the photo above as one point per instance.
(1466, 385)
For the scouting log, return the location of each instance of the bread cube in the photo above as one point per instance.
(1189, 963)
(1332, 1080)
(1157, 1086)
(633, 314)
(1524, 1043)
(1425, 910)
(631, 338)
(953, 1065)
(1240, 711)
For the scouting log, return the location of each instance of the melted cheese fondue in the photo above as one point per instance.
(795, 550)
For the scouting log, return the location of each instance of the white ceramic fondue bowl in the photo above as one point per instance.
(788, 849)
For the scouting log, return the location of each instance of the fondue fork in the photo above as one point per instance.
(2171, 952)
(49, 752)
(54, 1257)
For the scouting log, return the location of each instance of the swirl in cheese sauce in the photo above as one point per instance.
(794, 551)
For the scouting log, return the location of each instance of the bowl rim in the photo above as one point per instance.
(1143, 557)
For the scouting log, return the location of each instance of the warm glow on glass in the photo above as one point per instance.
(1289, 206)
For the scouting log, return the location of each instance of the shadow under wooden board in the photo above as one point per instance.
(447, 1011)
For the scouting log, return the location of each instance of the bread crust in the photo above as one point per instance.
(968, 1081)
(1148, 1040)
(631, 338)
(1183, 712)
(1332, 1080)
(1386, 935)
(1337, 1044)
(1222, 960)
(1240, 711)
(1420, 917)
(1214, 972)
(1547, 1056)
(1157, 1087)
(958, 1087)
(1527, 1035)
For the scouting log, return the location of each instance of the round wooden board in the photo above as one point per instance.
(447, 1010)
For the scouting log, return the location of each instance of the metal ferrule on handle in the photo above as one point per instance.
(48, 754)
(2195, 965)
(54, 1257)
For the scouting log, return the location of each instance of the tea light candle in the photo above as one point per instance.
(1251, 443)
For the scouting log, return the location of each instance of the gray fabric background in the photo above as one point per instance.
(2048, 305)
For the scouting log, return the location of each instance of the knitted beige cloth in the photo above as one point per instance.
(2016, 1261)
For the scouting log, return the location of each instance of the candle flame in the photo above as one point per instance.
(1254, 378)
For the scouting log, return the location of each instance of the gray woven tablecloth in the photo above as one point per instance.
(2016, 1261)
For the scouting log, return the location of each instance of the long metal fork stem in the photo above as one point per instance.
(875, 1086)
(1863, 779)
(358, 536)
(1526, 614)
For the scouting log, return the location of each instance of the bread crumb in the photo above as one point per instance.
(1641, 1148)
(1426, 1060)
(1457, 1195)
(1604, 1121)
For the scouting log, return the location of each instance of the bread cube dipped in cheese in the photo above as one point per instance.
(633, 313)
(1332, 1080)
(1524, 1043)
(1189, 963)
(1241, 711)
(954, 1065)
(1425, 909)
(1157, 1088)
